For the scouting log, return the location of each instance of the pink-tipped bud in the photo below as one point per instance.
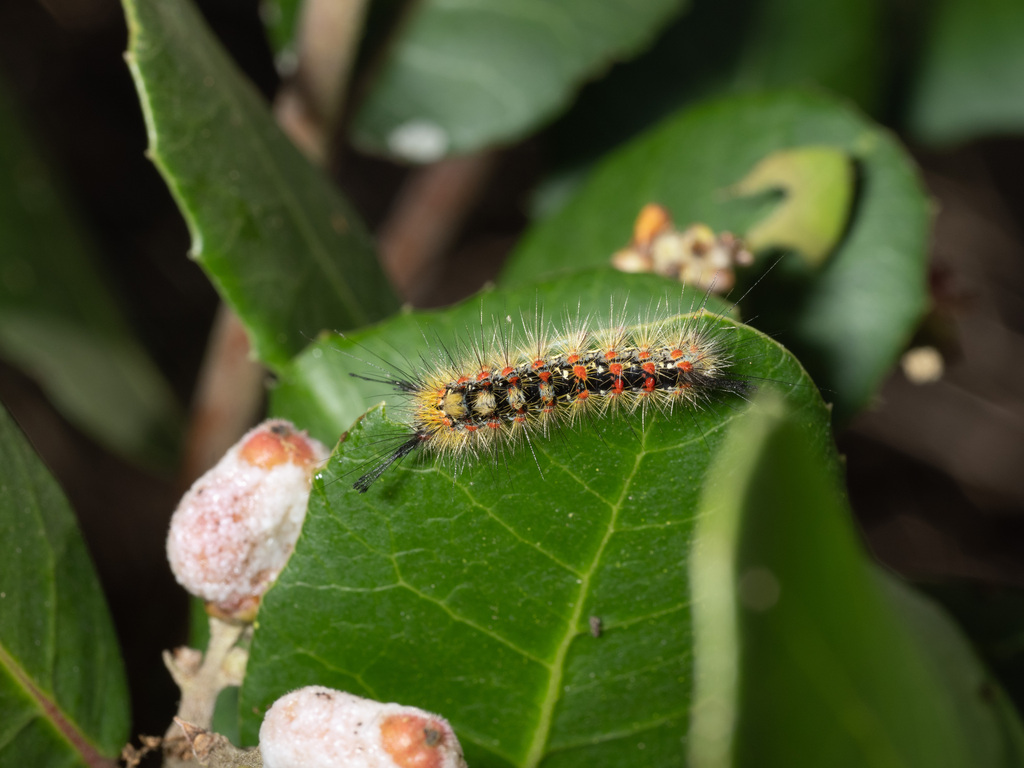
(317, 727)
(235, 528)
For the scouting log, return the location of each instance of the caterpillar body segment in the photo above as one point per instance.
(493, 401)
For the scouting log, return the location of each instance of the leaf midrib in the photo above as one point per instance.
(49, 710)
(47, 705)
(536, 751)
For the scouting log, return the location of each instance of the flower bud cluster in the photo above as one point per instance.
(695, 256)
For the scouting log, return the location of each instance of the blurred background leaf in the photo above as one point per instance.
(817, 187)
(725, 47)
(62, 687)
(60, 322)
(993, 617)
(281, 18)
(968, 84)
(459, 77)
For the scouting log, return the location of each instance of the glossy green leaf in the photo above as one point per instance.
(59, 322)
(281, 246)
(969, 83)
(474, 596)
(463, 76)
(62, 688)
(728, 47)
(849, 320)
(805, 653)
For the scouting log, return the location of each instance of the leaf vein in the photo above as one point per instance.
(625, 733)
(470, 623)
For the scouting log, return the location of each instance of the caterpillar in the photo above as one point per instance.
(490, 398)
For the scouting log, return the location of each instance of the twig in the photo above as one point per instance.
(426, 218)
(211, 750)
(309, 104)
(227, 397)
(201, 678)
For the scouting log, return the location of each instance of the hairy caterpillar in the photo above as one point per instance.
(490, 398)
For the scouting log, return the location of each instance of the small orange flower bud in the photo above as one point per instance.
(652, 220)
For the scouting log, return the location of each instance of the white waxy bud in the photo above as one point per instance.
(236, 526)
(317, 727)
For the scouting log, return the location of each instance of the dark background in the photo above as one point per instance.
(936, 472)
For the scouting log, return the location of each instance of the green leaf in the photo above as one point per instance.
(968, 83)
(719, 48)
(58, 320)
(805, 653)
(992, 616)
(818, 185)
(834, 45)
(473, 596)
(62, 688)
(848, 321)
(281, 19)
(282, 247)
(983, 711)
(463, 76)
